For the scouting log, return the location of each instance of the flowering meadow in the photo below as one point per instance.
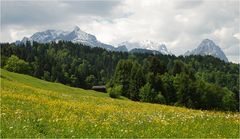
(32, 107)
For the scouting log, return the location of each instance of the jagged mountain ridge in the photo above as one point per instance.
(79, 36)
(208, 47)
(75, 36)
(146, 46)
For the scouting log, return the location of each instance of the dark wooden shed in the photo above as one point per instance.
(100, 88)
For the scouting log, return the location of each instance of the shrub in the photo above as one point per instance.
(116, 91)
(146, 93)
(90, 81)
(160, 98)
(15, 64)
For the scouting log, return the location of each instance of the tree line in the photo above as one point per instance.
(200, 82)
(152, 82)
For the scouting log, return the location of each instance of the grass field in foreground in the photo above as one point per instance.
(35, 108)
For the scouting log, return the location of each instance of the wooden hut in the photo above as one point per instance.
(100, 89)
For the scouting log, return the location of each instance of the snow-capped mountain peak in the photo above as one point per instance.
(153, 45)
(75, 36)
(163, 49)
(147, 44)
(208, 47)
(76, 29)
(207, 44)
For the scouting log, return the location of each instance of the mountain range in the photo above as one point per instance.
(79, 36)
(206, 47)
(75, 36)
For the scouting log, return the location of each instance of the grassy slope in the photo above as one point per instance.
(34, 108)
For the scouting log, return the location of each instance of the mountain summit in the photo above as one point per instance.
(75, 36)
(208, 47)
(147, 46)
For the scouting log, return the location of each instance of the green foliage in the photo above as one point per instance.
(90, 81)
(155, 81)
(154, 65)
(181, 88)
(122, 76)
(46, 76)
(116, 91)
(136, 82)
(15, 64)
(221, 79)
(178, 67)
(182, 84)
(228, 101)
(214, 97)
(169, 90)
(3, 61)
(160, 98)
(130, 75)
(146, 93)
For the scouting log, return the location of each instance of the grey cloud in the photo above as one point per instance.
(186, 4)
(45, 12)
(29, 13)
(91, 7)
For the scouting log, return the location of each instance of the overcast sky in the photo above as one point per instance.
(180, 24)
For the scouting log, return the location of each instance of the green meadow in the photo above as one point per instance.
(31, 107)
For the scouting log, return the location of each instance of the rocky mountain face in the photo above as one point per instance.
(121, 48)
(75, 36)
(146, 46)
(79, 36)
(208, 47)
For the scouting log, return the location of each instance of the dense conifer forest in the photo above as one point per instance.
(199, 82)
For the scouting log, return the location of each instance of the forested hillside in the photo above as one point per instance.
(194, 81)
